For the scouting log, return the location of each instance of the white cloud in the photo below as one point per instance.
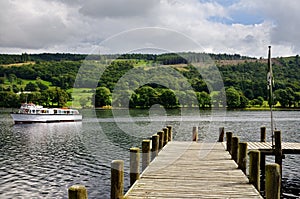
(80, 25)
(117, 8)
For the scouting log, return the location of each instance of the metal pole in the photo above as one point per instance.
(270, 86)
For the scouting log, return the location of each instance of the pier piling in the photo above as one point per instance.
(273, 181)
(117, 179)
(145, 154)
(262, 158)
(254, 168)
(263, 134)
(134, 165)
(278, 149)
(242, 159)
(170, 133)
(166, 136)
(77, 192)
(195, 133)
(161, 140)
(221, 134)
(155, 146)
(228, 141)
(234, 148)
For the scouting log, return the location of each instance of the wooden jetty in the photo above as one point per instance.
(199, 170)
(192, 170)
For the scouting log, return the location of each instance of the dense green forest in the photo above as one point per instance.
(142, 80)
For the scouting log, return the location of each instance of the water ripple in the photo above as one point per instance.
(43, 160)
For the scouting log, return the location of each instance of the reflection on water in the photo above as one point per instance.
(43, 160)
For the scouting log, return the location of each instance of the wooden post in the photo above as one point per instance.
(228, 141)
(170, 133)
(117, 179)
(155, 145)
(77, 192)
(254, 170)
(262, 158)
(263, 170)
(221, 134)
(234, 148)
(166, 136)
(273, 181)
(161, 140)
(242, 160)
(263, 134)
(146, 154)
(134, 165)
(195, 133)
(278, 149)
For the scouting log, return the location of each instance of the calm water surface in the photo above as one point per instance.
(43, 160)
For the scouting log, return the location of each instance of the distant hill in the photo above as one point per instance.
(246, 75)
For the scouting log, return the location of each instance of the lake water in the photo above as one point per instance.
(43, 160)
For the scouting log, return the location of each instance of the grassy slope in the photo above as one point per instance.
(78, 93)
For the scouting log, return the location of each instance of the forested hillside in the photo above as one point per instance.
(48, 79)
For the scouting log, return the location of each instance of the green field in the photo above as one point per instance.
(79, 95)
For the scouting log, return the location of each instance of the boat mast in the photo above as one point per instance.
(270, 88)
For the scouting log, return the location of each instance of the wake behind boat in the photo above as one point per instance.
(31, 113)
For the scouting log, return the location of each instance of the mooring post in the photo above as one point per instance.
(254, 170)
(221, 134)
(77, 192)
(170, 133)
(262, 158)
(234, 148)
(228, 141)
(117, 179)
(242, 160)
(263, 170)
(145, 154)
(155, 146)
(166, 136)
(134, 165)
(161, 140)
(263, 134)
(278, 149)
(195, 133)
(273, 181)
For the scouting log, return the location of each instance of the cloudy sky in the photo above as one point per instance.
(81, 26)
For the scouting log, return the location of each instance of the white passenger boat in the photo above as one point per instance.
(31, 113)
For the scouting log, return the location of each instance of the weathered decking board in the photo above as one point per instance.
(287, 147)
(192, 170)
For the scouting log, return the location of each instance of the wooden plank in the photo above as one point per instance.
(192, 170)
(266, 147)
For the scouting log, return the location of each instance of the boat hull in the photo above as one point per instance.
(45, 118)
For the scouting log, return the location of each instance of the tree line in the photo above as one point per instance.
(245, 82)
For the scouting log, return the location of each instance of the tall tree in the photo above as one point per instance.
(168, 99)
(233, 98)
(102, 97)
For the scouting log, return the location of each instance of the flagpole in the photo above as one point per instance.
(270, 86)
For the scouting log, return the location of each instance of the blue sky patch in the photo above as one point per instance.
(245, 17)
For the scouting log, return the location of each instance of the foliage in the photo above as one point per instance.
(168, 99)
(9, 99)
(233, 98)
(204, 99)
(31, 87)
(102, 97)
(147, 79)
